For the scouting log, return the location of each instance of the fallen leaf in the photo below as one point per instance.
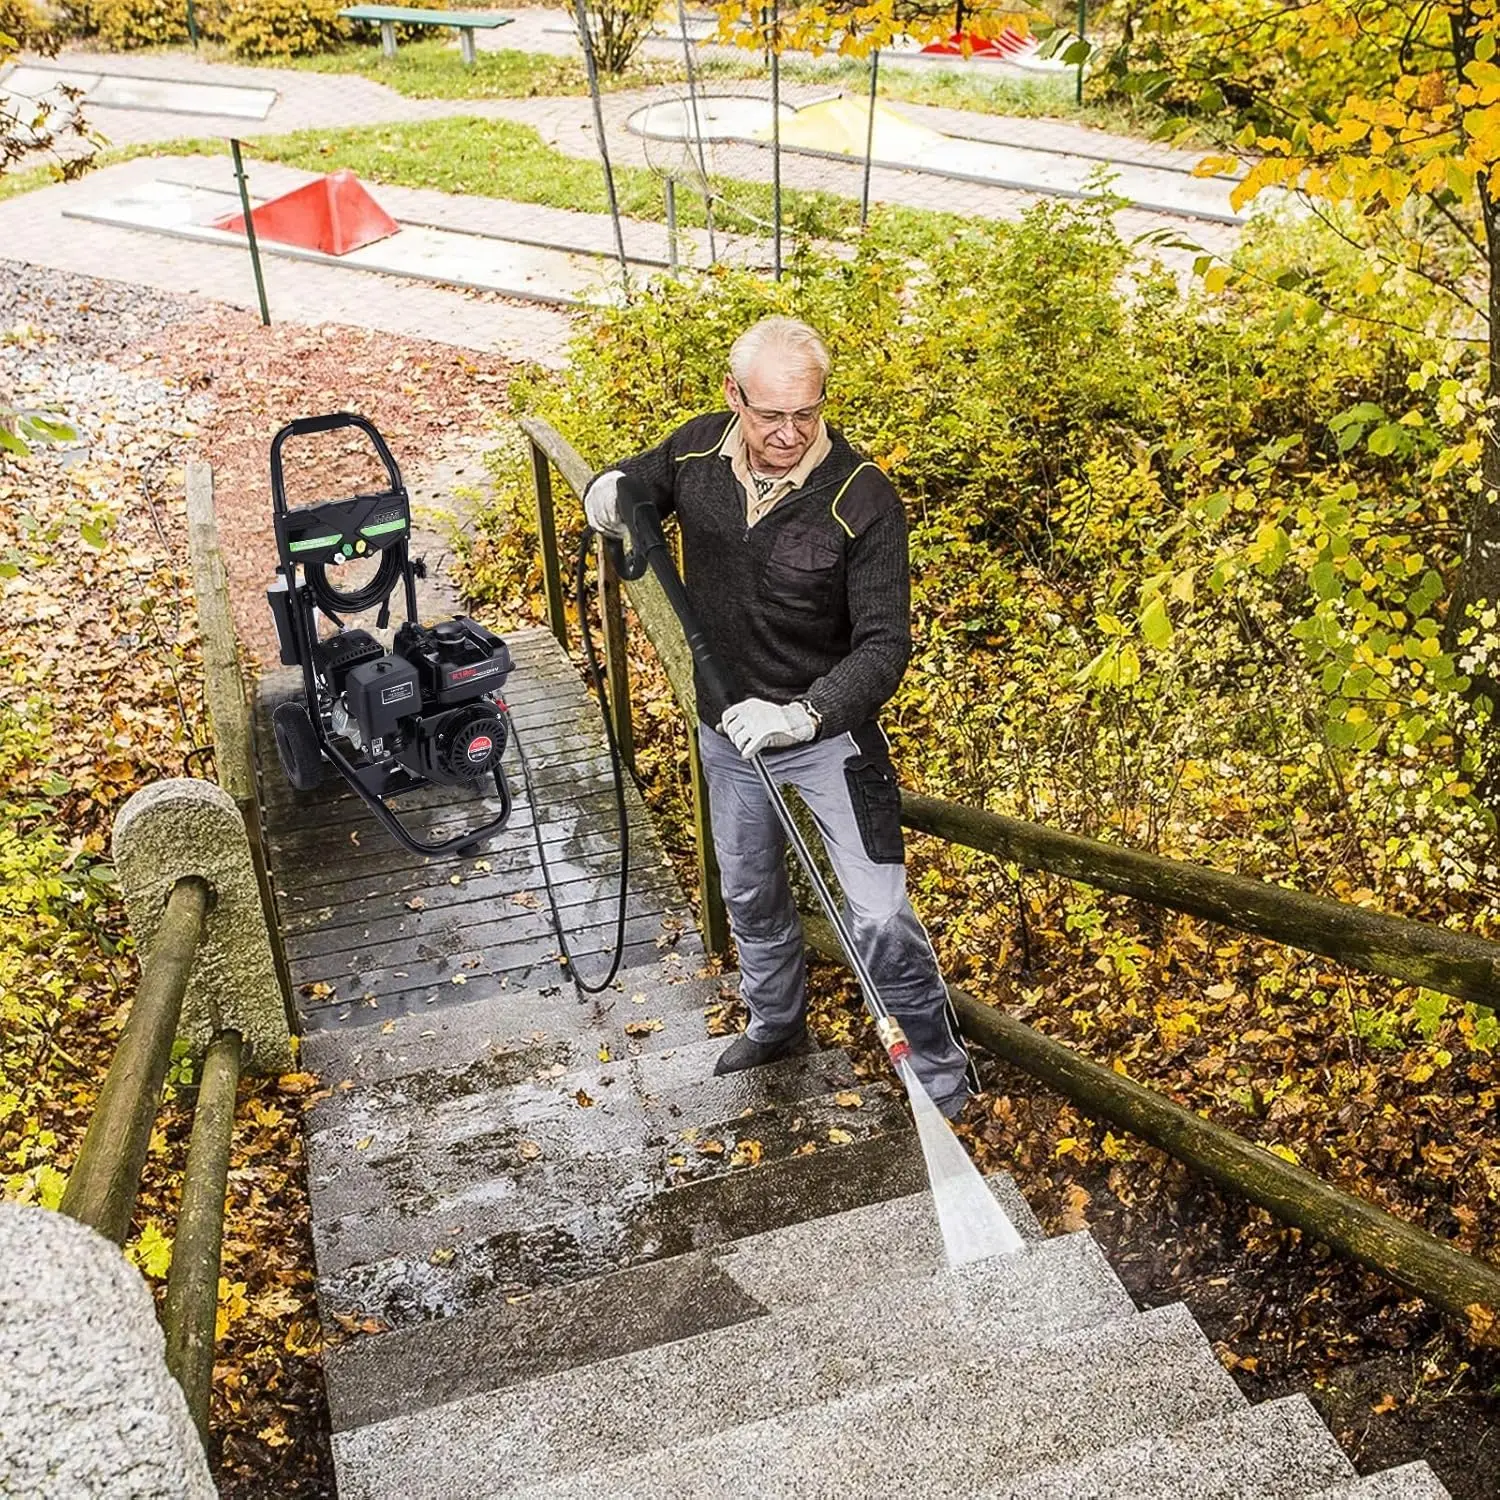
(643, 1028)
(582, 1100)
(529, 1150)
(746, 1154)
(711, 1148)
(1075, 1201)
(849, 1100)
(839, 1137)
(416, 903)
(388, 1028)
(1386, 1403)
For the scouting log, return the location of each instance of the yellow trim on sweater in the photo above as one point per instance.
(834, 508)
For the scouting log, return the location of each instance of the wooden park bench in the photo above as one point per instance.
(465, 22)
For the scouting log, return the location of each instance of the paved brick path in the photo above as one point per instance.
(32, 227)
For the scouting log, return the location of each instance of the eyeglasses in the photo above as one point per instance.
(803, 418)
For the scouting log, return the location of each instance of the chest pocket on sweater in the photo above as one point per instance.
(800, 572)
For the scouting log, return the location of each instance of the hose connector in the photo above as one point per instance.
(892, 1038)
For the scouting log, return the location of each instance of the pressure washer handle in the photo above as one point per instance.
(650, 549)
(331, 422)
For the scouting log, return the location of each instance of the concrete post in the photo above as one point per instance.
(183, 827)
(86, 1404)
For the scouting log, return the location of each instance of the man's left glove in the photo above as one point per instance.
(755, 725)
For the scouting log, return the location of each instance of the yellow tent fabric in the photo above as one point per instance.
(840, 125)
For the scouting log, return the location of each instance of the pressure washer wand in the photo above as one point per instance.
(650, 549)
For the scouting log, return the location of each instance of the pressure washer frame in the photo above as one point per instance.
(319, 535)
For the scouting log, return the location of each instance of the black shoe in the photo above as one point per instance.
(743, 1053)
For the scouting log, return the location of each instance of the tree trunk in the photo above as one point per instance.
(1478, 584)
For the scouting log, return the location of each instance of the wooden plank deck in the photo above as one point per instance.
(373, 931)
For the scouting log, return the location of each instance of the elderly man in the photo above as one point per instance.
(795, 561)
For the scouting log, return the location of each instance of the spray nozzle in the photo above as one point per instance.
(892, 1038)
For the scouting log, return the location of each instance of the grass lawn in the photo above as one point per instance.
(499, 159)
(432, 69)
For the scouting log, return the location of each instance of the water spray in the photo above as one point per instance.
(973, 1224)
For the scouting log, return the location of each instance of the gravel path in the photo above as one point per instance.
(162, 378)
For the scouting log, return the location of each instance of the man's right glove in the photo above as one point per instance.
(601, 504)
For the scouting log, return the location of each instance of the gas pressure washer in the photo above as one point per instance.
(426, 711)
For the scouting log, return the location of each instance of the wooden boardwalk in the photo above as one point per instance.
(372, 930)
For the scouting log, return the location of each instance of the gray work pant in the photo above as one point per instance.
(849, 788)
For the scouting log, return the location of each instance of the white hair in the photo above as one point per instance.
(798, 345)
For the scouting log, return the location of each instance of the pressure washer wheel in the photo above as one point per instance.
(297, 747)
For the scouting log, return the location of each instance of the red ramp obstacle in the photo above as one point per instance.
(335, 214)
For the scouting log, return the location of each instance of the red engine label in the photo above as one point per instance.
(480, 748)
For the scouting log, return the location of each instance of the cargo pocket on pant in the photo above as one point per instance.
(876, 799)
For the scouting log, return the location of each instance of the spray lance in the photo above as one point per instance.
(973, 1224)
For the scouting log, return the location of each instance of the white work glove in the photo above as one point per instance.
(601, 504)
(755, 725)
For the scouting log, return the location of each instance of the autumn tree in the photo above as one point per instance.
(1385, 115)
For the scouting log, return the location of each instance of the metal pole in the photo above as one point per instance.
(192, 21)
(672, 223)
(1083, 7)
(260, 281)
(106, 1177)
(692, 82)
(864, 197)
(609, 176)
(776, 135)
(192, 1303)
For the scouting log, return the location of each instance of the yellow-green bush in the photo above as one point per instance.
(282, 28)
(123, 24)
(28, 25)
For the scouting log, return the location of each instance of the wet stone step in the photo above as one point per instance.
(1279, 1450)
(1409, 1482)
(463, 1041)
(427, 1282)
(361, 1159)
(536, 969)
(657, 1398)
(503, 1341)
(950, 1432)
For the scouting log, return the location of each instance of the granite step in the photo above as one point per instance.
(663, 1396)
(504, 1341)
(466, 1043)
(951, 1431)
(1279, 1450)
(585, 1193)
(1409, 1482)
(444, 1267)
(396, 1151)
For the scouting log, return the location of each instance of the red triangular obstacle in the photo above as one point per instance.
(335, 214)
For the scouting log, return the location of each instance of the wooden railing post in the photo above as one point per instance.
(662, 629)
(106, 1178)
(192, 1302)
(546, 527)
(616, 661)
(714, 918)
(225, 696)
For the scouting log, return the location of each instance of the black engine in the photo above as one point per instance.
(429, 701)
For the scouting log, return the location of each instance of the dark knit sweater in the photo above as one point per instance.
(814, 601)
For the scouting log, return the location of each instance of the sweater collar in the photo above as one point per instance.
(758, 504)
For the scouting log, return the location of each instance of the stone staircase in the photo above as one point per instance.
(558, 1257)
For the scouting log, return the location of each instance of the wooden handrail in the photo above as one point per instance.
(1462, 1285)
(106, 1178)
(665, 634)
(1398, 947)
